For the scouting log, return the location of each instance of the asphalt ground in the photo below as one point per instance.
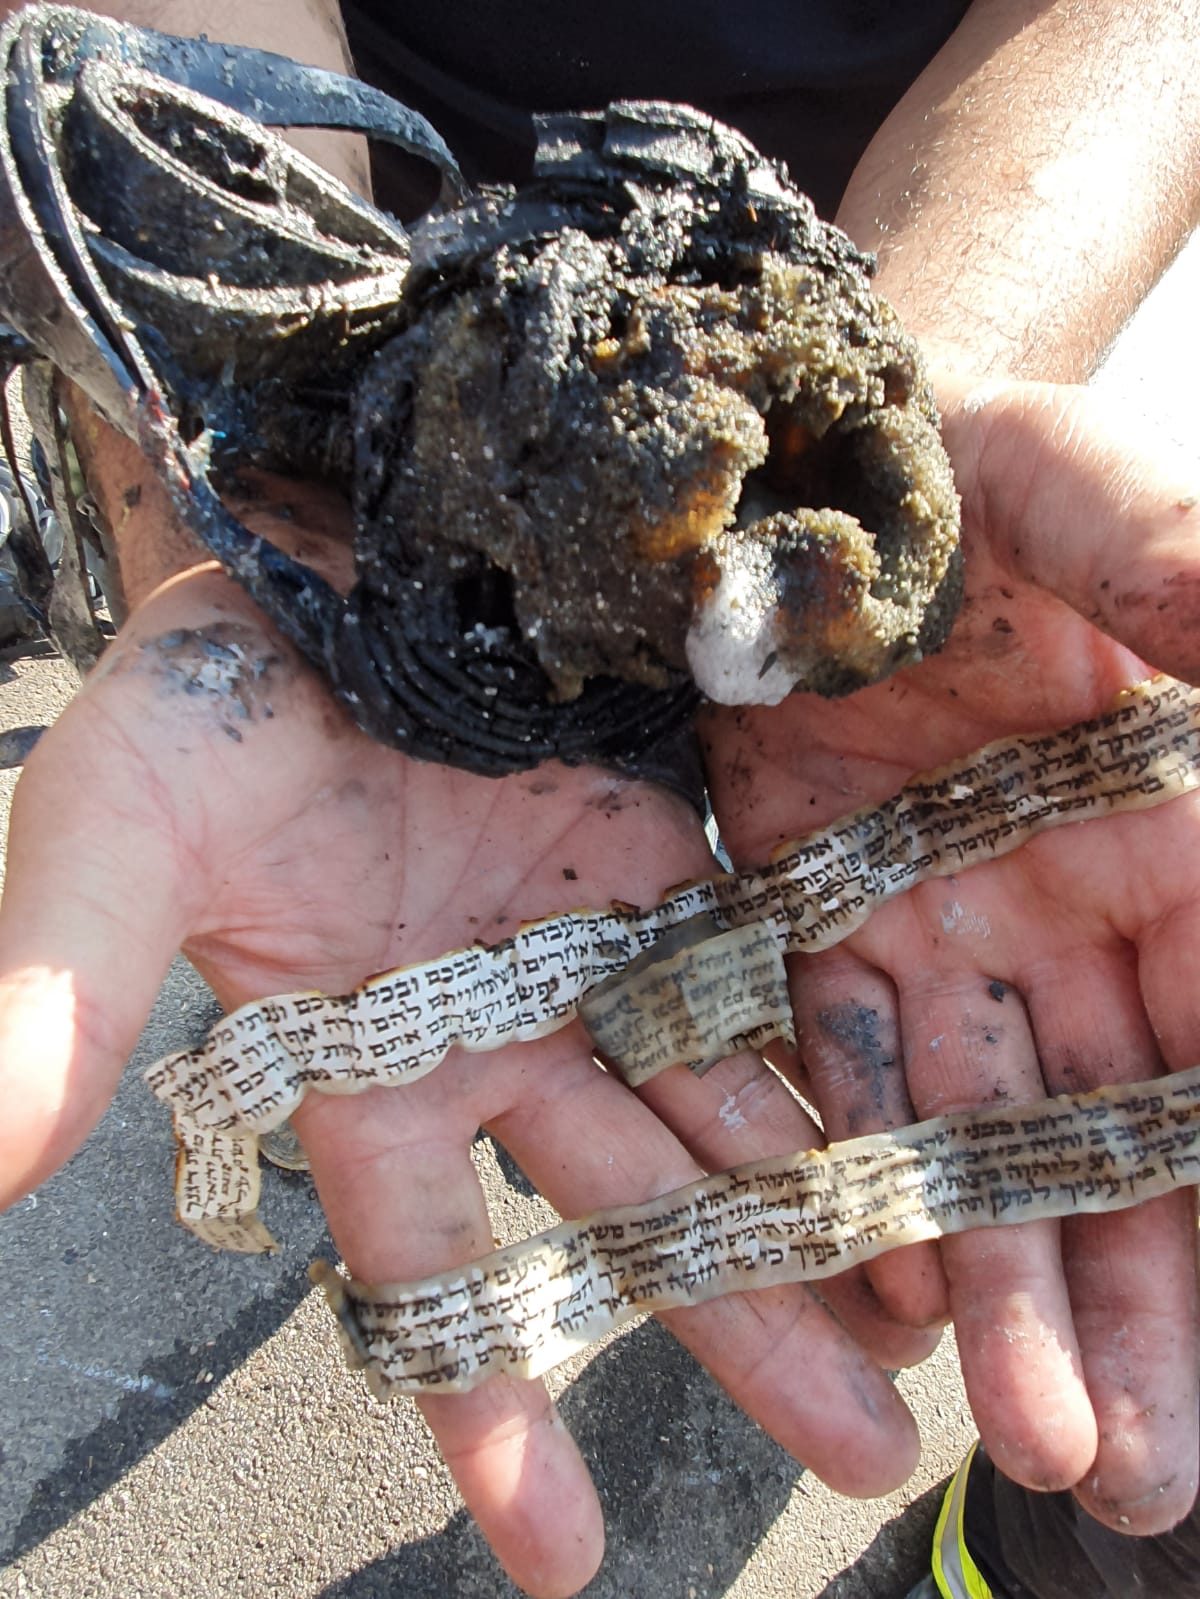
(177, 1424)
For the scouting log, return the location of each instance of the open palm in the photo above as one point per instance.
(204, 790)
(1063, 966)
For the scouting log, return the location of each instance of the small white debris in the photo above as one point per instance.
(732, 649)
(731, 1116)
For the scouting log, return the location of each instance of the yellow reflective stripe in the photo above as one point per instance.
(956, 1574)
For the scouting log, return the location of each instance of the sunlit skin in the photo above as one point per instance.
(1065, 965)
(300, 854)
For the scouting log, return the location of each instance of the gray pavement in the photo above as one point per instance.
(176, 1424)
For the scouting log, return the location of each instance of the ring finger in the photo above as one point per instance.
(1132, 1273)
(968, 1042)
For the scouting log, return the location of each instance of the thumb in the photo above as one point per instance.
(1080, 497)
(87, 931)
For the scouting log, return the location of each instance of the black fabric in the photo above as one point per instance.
(809, 81)
(1045, 1546)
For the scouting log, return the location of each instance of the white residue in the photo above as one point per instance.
(731, 1116)
(732, 648)
(957, 920)
(114, 1379)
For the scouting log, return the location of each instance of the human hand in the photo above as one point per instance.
(205, 790)
(1058, 968)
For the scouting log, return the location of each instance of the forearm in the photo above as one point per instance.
(1035, 181)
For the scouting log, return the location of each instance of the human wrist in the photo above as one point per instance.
(150, 546)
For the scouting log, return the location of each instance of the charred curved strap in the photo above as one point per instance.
(272, 89)
(690, 981)
(62, 282)
(307, 260)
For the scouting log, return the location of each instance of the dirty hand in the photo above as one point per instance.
(204, 790)
(1066, 965)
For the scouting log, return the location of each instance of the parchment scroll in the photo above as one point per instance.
(527, 1307)
(714, 984)
(699, 995)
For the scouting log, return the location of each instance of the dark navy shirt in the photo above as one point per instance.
(809, 81)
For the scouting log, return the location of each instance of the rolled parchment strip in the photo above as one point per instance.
(524, 1309)
(704, 993)
(699, 995)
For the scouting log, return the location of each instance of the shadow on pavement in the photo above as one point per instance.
(111, 1316)
(689, 1487)
(896, 1558)
(93, 1463)
(16, 744)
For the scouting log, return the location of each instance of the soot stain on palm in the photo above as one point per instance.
(223, 666)
(857, 1029)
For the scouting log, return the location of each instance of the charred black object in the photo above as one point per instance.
(634, 434)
